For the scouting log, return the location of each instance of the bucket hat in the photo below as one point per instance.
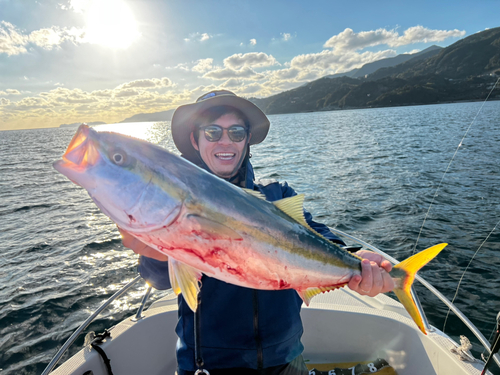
(184, 117)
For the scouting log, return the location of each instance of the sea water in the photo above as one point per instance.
(372, 173)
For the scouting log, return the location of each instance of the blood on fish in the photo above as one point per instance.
(233, 271)
(283, 284)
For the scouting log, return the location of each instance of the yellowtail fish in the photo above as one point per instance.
(207, 225)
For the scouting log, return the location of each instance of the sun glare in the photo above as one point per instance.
(111, 23)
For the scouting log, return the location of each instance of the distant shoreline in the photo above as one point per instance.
(387, 106)
(273, 114)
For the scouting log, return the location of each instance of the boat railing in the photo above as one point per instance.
(433, 290)
(364, 244)
(90, 319)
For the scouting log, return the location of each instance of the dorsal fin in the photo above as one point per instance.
(255, 193)
(294, 207)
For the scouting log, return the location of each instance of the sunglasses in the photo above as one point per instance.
(213, 133)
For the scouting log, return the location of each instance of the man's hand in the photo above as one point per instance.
(374, 277)
(140, 247)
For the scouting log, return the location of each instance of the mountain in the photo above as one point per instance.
(148, 117)
(475, 55)
(466, 70)
(389, 62)
(76, 124)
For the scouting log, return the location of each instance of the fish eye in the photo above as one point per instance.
(118, 157)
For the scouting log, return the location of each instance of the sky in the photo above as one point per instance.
(69, 61)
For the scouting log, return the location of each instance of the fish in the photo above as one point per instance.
(206, 225)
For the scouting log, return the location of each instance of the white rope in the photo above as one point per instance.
(466, 268)
(449, 164)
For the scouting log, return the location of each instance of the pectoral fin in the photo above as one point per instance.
(184, 279)
(309, 293)
(173, 280)
(214, 229)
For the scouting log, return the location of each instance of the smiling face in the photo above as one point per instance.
(224, 156)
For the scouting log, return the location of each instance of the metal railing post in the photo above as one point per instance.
(85, 324)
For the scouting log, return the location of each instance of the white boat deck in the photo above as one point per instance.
(339, 326)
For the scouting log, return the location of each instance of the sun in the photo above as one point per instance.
(110, 23)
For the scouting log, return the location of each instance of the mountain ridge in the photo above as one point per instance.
(463, 71)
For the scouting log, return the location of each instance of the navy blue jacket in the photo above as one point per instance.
(240, 327)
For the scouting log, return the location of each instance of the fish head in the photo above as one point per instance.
(119, 173)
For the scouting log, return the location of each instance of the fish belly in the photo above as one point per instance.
(244, 261)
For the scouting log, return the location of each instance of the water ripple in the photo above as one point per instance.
(372, 173)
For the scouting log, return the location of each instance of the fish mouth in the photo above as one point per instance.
(81, 154)
(82, 151)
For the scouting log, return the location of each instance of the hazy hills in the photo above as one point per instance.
(145, 117)
(76, 124)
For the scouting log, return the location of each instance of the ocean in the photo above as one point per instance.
(372, 173)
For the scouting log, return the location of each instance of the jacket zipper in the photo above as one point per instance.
(258, 341)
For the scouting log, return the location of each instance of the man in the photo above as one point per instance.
(235, 329)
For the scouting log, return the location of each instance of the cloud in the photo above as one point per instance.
(62, 105)
(253, 42)
(349, 40)
(102, 93)
(199, 37)
(181, 66)
(14, 41)
(308, 67)
(46, 38)
(250, 89)
(78, 6)
(238, 66)
(231, 83)
(228, 73)
(126, 93)
(286, 36)
(146, 83)
(10, 92)
(336, 61)
(203, 65)
(253, 59)
(421, 34)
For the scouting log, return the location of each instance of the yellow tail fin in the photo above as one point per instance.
(404, 275)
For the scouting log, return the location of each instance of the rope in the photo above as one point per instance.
(465, 271)
(95, 344)
(449, 164)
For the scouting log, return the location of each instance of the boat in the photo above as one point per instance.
(342, 329)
